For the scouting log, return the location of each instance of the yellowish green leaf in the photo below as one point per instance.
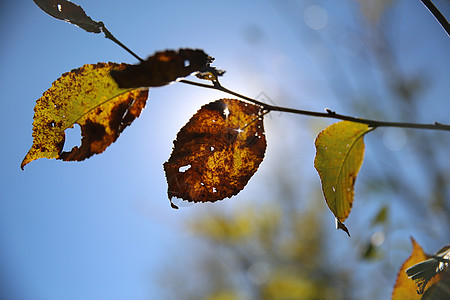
(87, 96)
(339, 156)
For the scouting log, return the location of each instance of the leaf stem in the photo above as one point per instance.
(437, 14)
(109, 35)
(328, 114)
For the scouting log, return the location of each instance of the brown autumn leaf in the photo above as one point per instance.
(87, 96)
(216, 152)
(162, 68)
(70, 12)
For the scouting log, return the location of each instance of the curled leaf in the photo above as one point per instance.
(216, 152)
(162, 68)
(339, 156)
(423, 271)
(87, 96)
(209, 73)
(439, 290)
(70, 12)
(404, 288)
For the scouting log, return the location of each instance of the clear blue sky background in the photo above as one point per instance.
(103, 228)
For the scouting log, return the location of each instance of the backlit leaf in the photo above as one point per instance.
(70, 12)
(423, 271)
(87, 96)
(339, 156)
(216, 152)
(405, 288)
(162, 68)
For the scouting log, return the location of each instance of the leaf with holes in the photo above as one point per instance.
(216, 152)
(70, 12)
(339, 156)
(162, 68)
(87, 96)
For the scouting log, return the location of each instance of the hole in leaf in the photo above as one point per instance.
(183, 169)
(226, 112)
(73, 138)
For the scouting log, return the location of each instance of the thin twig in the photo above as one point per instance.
(438, 15)
(327, 114)
(109, 35)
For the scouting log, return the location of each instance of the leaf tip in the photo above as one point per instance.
(173, 205)
(26, 160)
(340, 225)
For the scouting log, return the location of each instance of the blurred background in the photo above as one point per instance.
(104, 229)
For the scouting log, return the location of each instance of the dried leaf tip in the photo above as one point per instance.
(340, 225)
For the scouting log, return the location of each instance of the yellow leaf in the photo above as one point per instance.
(339, 156)
(87, 96)
(405, 288)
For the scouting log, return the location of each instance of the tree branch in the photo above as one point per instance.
(438, 15)
(328, 114)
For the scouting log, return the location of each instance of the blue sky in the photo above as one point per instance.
(103, 228)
